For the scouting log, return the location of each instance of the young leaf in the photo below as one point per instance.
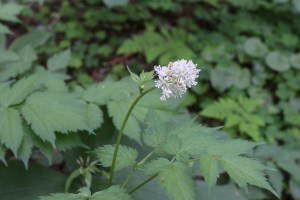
(246, 171)
(145, 77)
(59, 61)
(50, 112)
(12, 130)
(133, 76)
(126, 156)
(175, 178)
(113, 192)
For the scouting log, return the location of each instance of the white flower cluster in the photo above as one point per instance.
(175, 78)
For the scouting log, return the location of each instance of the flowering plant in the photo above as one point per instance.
(176, 149)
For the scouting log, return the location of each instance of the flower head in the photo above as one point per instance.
(175, 78)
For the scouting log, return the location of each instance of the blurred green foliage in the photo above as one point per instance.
(248, 51)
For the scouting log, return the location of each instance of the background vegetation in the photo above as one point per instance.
(248, 51)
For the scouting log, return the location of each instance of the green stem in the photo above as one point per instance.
(143, 183)
(135, 167)
(120, 134)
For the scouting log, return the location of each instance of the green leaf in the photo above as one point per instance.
(156, 130)
(34, 39)
(83, 194)
(113, 3)
(275, 178)
(94, 116)
(277, 61)
(65, 113)
(146, 77)
(20, 90)
(12, 130)
(2, 153)
(246, 171)
(126, 156)
(113, 192)
(19, 183)
(4, 29)
(25, 149)
(117, 110)
(59, 61)
(8, 56)
(209, 168)
(175, 178)
(134, 76)
(254, 47)
(9, 11)
(27, 56)
(295, 60)
(62, 196)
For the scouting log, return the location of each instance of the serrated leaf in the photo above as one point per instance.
(9, 11)
(20, 90)
(145, 77)
(59, 61)
(209, 168)
(134, 76)
(25, 149)
(113, 192)
(34, 38)
(176, 180)
(155, 166)
(64, 113)
(246, 171)
(27, 56)
(12, 130)
(277, 61)
(126, 156)
(275, 178)
(156, 130)
(94, 116)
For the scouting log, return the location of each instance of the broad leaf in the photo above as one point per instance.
(50, 112)
(277, 61)
(156, 130)
(9, 11)
(19, 183)
(126, 156)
